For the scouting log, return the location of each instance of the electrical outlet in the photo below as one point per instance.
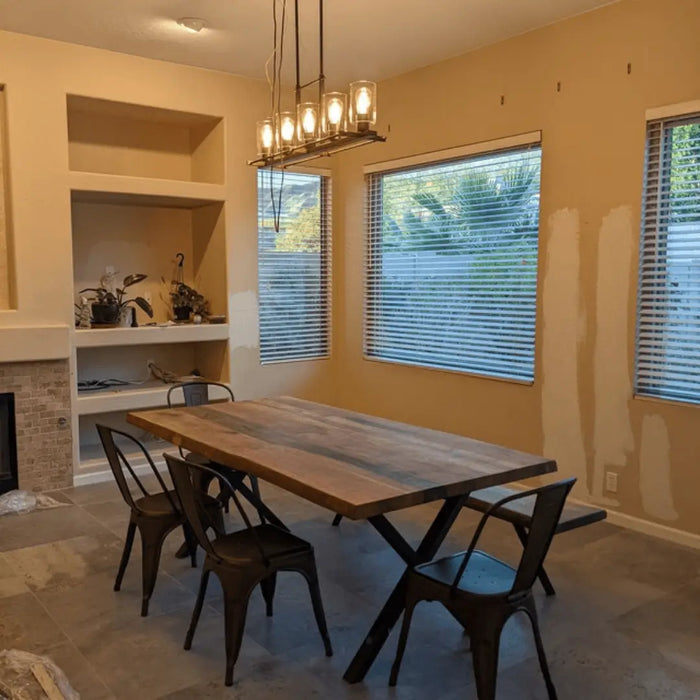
(611, 482)
(109, 270)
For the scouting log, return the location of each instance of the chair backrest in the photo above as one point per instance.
(196, 392)
(121, 467)
(186, 478)
(549, 504)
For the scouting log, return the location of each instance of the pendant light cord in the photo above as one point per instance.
(276, 99)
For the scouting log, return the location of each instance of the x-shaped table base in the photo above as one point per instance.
(394, 606)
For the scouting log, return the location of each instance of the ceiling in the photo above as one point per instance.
(370, 39)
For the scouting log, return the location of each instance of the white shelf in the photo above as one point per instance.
(150, 335)
(143, 191)
(126, 398)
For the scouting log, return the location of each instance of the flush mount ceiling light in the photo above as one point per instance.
(335, 122)
(192, 24)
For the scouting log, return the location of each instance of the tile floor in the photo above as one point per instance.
(625, 622)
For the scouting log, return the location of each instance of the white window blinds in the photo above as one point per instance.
(452, 264)
(668, 313)
(293, 265)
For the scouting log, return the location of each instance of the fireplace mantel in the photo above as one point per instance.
(34, 343)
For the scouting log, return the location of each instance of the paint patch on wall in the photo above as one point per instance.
(613, 439)
(561, 412)
(244, 320)
(655, 470)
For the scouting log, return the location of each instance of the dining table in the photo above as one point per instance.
(358, 466)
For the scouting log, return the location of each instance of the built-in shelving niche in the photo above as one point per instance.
(145, 183)
(143, 141)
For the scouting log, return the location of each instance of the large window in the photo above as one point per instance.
(668, 317)
(452, 263)
(293, 265)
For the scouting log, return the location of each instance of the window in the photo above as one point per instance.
(668, 312)
(452, 263)
(293, 265)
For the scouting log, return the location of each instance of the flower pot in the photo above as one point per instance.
(182, 313)
(104, 314)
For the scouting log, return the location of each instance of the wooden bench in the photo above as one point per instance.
(519, 514)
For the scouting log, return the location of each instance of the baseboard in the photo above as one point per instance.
(102, 475)
(664, 532)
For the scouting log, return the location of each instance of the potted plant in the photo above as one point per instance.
(187, 301)
(108, 306)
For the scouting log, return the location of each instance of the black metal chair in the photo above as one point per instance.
(241, 560)
(154, 514)
(483, 592)
(197, 393)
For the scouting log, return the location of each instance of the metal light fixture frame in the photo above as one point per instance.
(327, 145)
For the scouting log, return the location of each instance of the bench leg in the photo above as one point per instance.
(541, 574)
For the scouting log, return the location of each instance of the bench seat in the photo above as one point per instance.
(520, 512)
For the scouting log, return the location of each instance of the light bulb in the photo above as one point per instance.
(335, 112)
(267, 135)
(308, 121)
(363, 101)
(287, 130)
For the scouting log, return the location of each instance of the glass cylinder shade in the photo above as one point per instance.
(363, 104)
(265, 137)
(333, 113)
(307, 122)
(286, 130)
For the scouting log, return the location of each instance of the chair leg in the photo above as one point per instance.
(544, 667)
(403, 638)
(311, 576)
(337, 519)
(152, 537)
(190, 543)
(267, 586)
(235, 608)
(541, 574)
(197, 607)
(128, 543)
(485, 661)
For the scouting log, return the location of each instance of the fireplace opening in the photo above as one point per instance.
(8, 444)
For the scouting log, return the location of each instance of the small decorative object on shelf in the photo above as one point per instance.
(82, 319)
(186, 301)
(108, 307)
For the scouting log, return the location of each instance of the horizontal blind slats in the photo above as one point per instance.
(452, 264)
(668, 309)
(293, 266)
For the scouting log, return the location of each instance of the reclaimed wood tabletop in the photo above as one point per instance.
(353, 464)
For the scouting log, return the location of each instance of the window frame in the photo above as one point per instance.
(373, 216)
(325, 263)
(654, 232)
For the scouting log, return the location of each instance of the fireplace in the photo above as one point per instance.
(8, 443)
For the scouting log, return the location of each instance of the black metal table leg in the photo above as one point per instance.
(337, 519)
(541, 574)
(394, 606)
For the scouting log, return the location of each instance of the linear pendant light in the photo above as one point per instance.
(337, 122)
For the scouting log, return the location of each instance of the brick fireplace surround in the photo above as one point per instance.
(42, 415)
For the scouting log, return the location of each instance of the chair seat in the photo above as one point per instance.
(241, 546)
(484, 574)
(159, 505)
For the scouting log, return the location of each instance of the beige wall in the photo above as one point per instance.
(37, 75)
(5, 247)
(580, 409)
